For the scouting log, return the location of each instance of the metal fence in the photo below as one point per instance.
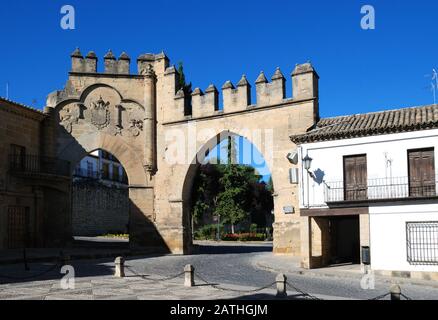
(38, 165)
(85, 173)
(422, 243)
(380, 189)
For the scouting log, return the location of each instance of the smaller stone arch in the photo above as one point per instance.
(88, 143)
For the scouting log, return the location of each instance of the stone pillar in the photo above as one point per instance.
(189, 276)
(281, 286)
(395, 292)
(306, 251)
(143, 231)
(149, 121)
(120, 267)
(319, 242)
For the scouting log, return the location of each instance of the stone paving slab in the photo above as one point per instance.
(110, 288)
(290, 265)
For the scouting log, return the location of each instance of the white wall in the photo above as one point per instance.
(96, 159)
(388, 235)
(83, 163)
(387, 220)
(328, 158)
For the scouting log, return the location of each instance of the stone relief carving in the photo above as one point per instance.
(100, 115)
(121, 119)
(147, 71)
(70, 115)
(115, 130)
(135, 127)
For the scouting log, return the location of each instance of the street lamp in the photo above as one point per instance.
(307, 161)
(307, 164)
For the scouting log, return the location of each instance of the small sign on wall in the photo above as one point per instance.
(293, 175)
(288, 210)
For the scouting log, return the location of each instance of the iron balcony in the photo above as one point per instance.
(380, 189)
(33, 164)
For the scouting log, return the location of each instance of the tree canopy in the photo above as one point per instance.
(234, 193)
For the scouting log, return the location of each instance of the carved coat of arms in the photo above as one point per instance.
(100, 114)
(136, 126)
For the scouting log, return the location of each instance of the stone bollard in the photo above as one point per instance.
(189, 276)
(281, 286)
(395, 292)
(120, 267)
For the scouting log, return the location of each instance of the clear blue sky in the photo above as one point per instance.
(246, 153)
(360, 70)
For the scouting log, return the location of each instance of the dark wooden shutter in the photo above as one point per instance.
(355, 177)
(421, 173)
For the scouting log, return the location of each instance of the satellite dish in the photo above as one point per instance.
(293, 157)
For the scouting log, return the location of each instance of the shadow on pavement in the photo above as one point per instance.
(265, 296)
(230, 249)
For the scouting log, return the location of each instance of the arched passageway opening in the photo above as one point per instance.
(228, 192)
(100, 197)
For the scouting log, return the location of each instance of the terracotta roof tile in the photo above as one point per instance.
(369, 124)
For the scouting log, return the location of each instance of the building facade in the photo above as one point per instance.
(34, 188)
(369, 187)
(102, 166)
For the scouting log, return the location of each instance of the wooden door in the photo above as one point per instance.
(355, 177)
(421, 173)
(18, 222)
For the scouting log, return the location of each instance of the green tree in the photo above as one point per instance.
(187, 88)
(233, 202)
(233, 192)
(205, 191)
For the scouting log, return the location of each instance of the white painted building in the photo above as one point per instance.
(102, 166)
(372, 182)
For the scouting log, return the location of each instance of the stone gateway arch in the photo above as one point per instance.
(161, 134)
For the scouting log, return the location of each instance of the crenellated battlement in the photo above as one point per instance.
(238, 98)
(116, 66)
(270, 93)
(235, 99)
(180, 105)
(205, 104)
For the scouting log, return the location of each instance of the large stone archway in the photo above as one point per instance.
(192, 169)
(156, 130)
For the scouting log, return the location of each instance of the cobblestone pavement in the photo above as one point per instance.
(229, 266)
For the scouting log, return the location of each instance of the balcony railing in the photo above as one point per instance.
(85, 173)
(95, 175)
(38, 165)
(380, 189)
